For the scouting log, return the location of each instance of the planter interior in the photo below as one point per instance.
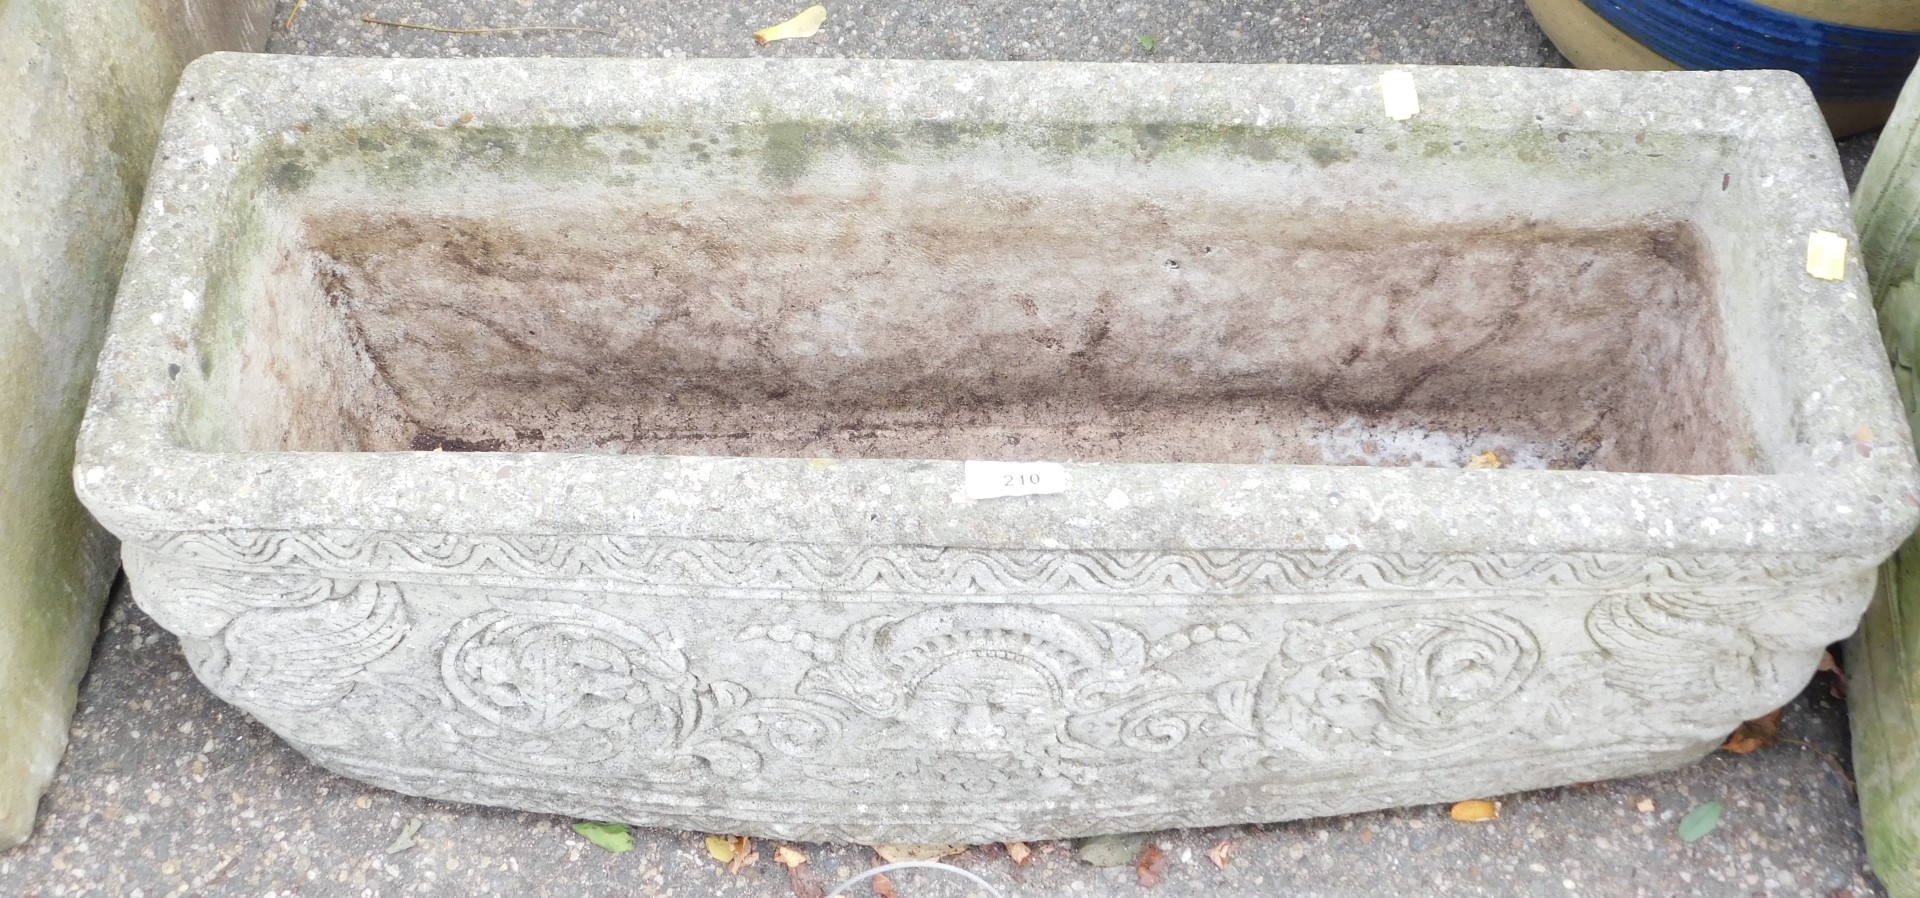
(994, 315)
(977, 295)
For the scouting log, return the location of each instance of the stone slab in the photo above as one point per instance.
(83, 87)
(1885, 655)
(710, 629)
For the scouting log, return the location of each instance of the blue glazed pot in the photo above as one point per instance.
(1854, 54)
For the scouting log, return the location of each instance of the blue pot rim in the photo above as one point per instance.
(1840, 62)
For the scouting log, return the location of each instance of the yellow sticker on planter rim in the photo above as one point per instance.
(997, 479)
(1402, 99)
(1827, 255)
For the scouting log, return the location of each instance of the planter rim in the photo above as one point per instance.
(1848, 487)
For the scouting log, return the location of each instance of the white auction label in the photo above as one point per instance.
(1402, 99)
(995, 479)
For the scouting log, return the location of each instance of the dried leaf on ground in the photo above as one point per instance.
(744, 856)
(1148, 41)
(614, 837)
(1485, 461)
(1222, 854)
(1366, 837)
(894, 854)
(788, 857)
(882, 886)
(1699, 822)
(1112, 851)
(1475, 811)
(1151, 867)
(405, 840)
(1838, 688)
(806, 24)
(734, 851)
(805, 881)
(1755, 734)
(1019, 852)
(1644, 805)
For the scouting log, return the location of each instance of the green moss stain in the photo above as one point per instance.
(779, 153)
(783, 154)
(787, 153)
(290, 176)
(221, 328)
(1328, 151)
(787, 150)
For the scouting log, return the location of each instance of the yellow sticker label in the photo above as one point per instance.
(1403, 101)
(1827, 256)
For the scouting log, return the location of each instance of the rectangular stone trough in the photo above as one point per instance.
(590, 436)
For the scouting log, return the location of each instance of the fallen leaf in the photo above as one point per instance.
(882, 886)
(743, 856)
(806, 24)
(734, 851)
(1148, 41)
(1111, 851)
(1838, 688)
(1221, 854)
(1151, 866)
(1485, 461)
(405, 841)
(1366, 837)
(1019, 852)
(1476, 811)
(1644, 805)
(1755, 734)
(1699, 822)
(614, 837)
(894, 854)
(806, 883)
(789, 857)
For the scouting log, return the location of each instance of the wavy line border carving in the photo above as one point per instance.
(648, 562)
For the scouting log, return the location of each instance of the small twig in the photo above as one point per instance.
(505, 28)
(1835, 762)
(292, 15)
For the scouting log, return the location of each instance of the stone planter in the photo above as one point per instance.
(724, 332)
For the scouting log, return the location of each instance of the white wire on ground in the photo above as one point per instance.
(902, 865)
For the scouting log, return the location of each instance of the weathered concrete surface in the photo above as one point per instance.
(169, 790)
(758, 641)
(83, 86)
(1885, 654)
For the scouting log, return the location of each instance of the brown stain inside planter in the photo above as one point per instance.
(1002, 324)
